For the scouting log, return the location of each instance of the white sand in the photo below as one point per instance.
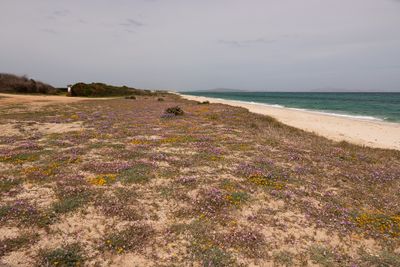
(358, 131)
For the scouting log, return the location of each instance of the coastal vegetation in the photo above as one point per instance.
(174, 183)
(177, 111)
(104, 90)
(10, 83)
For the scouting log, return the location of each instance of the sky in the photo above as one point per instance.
(289, 45)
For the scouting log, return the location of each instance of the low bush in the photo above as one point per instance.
(160, 99)
(9, 244)
(384, 258)
(135, 237)
(177, 111)
(130, 97)
(70, 255)
(104, 90)
(140, 173)
(10, 83)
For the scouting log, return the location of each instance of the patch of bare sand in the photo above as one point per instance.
(175, 150)
(202, 169)
(8, 129)
(87, 227)
(23, 257)
(163, 249)
(13, 129)
(291, 231)
(50, 128)
(40, 100)
(20, 258)
(42, 197)
(8, 232)
(130, 259)
(148, 137)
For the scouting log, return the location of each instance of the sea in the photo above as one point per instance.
(367, 106)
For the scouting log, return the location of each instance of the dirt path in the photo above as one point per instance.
(40, 100)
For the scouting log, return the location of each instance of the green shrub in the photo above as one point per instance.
(104, 90)
(69, 204)
(322, 256)
(8, 184)
(132, 238)
(11, 244)
(284, 258)
(384, 258)
(70, 255)
(10, 83)
(140, 173)
(177, 111)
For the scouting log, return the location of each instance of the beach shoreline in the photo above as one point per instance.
(371, 133)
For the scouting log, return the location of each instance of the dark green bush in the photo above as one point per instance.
(10, 83)
(130, 97)
(160, 99)
(177, 111)
(104, 90)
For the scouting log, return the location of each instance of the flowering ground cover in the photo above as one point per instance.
(119, 182)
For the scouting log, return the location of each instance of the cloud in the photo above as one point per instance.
(82, 21)
(50, 31)
(390, 67)
(61, 13)
(300, 46)
(244, 43)
(132, 23)
(58, 13)
(130, 31)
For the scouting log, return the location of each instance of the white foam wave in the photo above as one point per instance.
(323, 112)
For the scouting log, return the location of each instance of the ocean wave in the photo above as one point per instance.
(322, 112)
(360, 117)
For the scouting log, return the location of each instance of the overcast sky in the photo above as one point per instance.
(203, 44)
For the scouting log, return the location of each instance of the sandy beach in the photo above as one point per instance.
(358, 131)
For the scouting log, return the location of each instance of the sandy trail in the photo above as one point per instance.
(33, 103)
(40, 100)
(370, 133)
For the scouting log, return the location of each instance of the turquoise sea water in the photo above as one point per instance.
(373, 106)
